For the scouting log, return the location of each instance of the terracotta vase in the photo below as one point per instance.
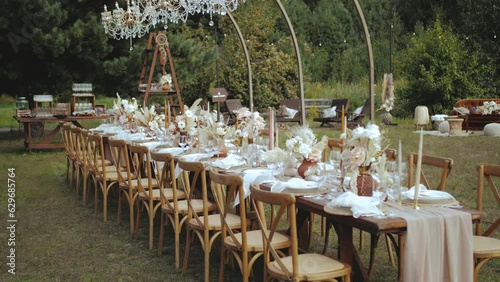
(304, 166)
(364, 182)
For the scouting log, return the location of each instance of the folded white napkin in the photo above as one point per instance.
(254, 176)
(195, 157)
(151, 145)
(360, 205)
(425, 194)
(175, 151)
(228, 162)
(297, 183)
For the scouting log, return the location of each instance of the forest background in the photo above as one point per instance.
(439, 51)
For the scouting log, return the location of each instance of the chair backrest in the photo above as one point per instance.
(339, 103)
(489, 173)
(333, 144)
(95, 148)
(390, 154)
(233, 105)
(77, 142)
(143, 167)
(194, 176)
(285, 204)
(120, 153)
(291, 104)
(429, 165)
(225, 188)
(164, 164)
(365, 111)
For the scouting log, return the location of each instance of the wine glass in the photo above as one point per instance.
(248, 151)
(380, 194)
(335, 161)
(183, 141)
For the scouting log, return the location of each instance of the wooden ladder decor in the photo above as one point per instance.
(160, 51)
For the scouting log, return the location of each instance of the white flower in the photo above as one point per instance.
(303, 142)
(181, 124)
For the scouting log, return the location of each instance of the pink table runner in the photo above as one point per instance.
(438, 244)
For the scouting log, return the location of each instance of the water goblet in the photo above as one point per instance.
(183, 141)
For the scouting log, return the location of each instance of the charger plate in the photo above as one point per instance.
(347, 210)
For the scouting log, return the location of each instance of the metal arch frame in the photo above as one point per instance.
(247, 57)
(299, 61)
(371, 80)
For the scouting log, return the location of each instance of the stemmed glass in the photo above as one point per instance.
(183, 141)
(379, 192)
(248, 151)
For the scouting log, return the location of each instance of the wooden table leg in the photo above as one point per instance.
(348, 253)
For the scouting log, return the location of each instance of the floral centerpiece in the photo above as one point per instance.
(489, 107)
(149, 119)
(362, 152)
(187, 122)
(124, 110)
(304, 146)
(248, 124)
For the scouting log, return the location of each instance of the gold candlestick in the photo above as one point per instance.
(419, 169)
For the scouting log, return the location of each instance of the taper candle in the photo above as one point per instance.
(169, 114)
(419, 169)
(400, 161)
(271, 128)
(165, 112)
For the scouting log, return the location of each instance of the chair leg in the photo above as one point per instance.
(186, 252)
(177, 232)
(162, 230)
(138, 217)
(389, 250)
(361, 240)
(151, 229)
(119, 215)
(373, 246)
(327, 236)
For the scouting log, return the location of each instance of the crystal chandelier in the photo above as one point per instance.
(141, 16)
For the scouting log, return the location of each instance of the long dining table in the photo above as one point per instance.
(344, 226)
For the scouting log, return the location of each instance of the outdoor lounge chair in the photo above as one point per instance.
(289, 111)
(337, 118)
(355, 119)
(232, 106)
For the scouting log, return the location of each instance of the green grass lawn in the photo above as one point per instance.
(58, 238)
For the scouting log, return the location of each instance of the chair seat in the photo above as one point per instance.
(486, 247)
(144, 182)
(167, 192)
(255, 242)
(312, 267)
(110, 176)
(214, 222)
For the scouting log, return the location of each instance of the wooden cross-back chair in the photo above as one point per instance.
(485, 245)
(294, 266)
(247, 245)
(356, 119)
(172, 200)
(145, 185)
(202, 221)
(338, 104)
(105, 177)
(429, 165)
(232, 106)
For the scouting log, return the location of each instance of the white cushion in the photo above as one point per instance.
(444, 127)
(462, 110)
(492, 129)
(357, 112)
(290, 113)
(330, 112)
(438, 117)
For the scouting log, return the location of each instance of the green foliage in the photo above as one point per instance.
(274, 72)
(439, 70)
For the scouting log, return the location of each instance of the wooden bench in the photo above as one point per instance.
(474, 120)
(339, 103)
(290, 104)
